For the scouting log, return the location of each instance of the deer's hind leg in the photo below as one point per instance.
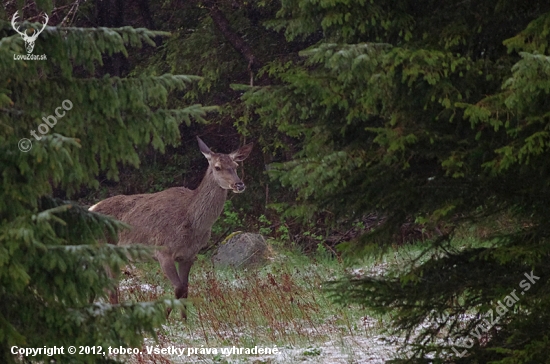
(114, 293)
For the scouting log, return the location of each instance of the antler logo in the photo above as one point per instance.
(29, 40)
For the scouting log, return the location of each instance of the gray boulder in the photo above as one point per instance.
(242, 250)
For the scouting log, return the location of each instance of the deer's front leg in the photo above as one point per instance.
(184, 268)
(168, 266)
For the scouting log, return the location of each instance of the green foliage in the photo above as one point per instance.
(434, 112)
(322, 253)
(229, 220)
(423, 111)
(284, 233)
(311, 351)
(266, 228)
(52, 267)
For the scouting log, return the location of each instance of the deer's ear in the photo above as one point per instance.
(204, 149)
(242, 153)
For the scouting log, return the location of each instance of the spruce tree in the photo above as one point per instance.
(53, 281)
(435, 112)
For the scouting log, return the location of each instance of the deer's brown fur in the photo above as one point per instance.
(178, 220)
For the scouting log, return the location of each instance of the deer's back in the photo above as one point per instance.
(160, 219)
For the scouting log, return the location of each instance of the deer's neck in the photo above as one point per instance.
(207, 204)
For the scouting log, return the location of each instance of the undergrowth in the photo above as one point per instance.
(282, 304)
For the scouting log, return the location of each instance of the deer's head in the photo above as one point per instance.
(224, 166)
(29, 40)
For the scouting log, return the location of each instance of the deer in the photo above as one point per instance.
(177, 221)
(29, 40)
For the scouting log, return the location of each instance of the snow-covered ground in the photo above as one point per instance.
(344, 349)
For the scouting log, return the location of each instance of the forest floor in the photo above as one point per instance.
(281, 309)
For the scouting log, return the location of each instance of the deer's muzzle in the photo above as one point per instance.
(239, 187)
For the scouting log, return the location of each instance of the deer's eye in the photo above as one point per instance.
(218, 168)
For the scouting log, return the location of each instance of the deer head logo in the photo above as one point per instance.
(29, 40)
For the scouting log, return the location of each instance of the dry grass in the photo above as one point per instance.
(281, 304)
